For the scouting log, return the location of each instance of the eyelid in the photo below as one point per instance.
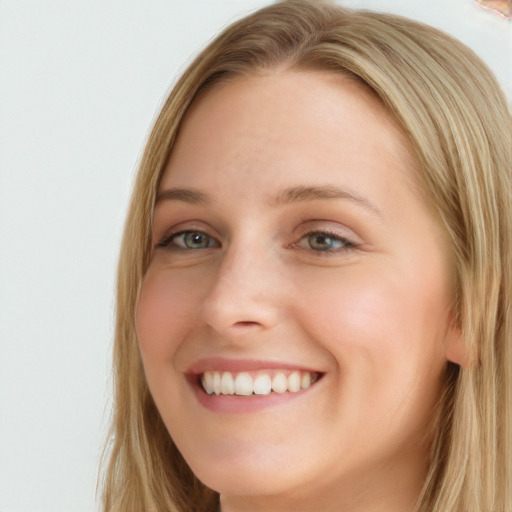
(350, 241)
(307, 228)
(165, 241)
(183, 235)
(347, 243)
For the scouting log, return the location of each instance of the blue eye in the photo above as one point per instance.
(189, 240)
(324, 242)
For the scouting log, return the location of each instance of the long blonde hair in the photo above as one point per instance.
(459, 124)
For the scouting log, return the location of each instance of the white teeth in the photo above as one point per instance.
(208, 382)
(227, 384)
(279, 383)
(294, 382)
(305, 381)
(262, 385)
(216, 383)
(243, 384)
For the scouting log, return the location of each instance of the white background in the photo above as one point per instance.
(80, 82)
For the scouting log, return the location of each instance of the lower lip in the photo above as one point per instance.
(240, 404)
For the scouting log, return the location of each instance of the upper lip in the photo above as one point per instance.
(239, 365)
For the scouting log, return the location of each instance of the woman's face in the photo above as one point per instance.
(293, 251)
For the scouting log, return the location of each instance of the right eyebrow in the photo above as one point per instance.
(187, 195)
(310, 193)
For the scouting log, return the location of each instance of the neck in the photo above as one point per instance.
(385, 489)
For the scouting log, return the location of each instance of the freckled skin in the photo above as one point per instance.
(373, 315)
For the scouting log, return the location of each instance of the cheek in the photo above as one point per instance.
(162, 313)
(380, 323)
(352, 311)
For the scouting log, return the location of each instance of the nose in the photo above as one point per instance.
(244, 296)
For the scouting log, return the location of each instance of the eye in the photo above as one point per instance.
(325, 242)
(193, 240)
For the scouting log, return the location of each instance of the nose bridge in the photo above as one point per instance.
(244, 290)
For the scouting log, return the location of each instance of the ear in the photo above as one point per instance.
(456, 350)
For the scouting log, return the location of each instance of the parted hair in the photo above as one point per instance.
(458, 122)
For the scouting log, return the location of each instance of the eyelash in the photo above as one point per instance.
(169, 241)
(345, 245)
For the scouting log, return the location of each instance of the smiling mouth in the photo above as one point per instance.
(263, 382)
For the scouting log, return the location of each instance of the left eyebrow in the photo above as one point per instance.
(306, 193)
(187, 195)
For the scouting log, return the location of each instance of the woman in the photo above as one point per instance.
(322, 208)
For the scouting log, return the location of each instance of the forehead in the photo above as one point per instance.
(280, 123)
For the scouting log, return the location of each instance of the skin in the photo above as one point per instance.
(368, 307)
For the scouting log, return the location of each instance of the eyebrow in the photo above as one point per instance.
(187, 195)
(287, 196)
(304, 193)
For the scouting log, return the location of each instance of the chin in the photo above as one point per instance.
(246, 477)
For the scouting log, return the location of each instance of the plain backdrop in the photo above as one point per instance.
(80, 83)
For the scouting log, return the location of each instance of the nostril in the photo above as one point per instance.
(246, 324)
